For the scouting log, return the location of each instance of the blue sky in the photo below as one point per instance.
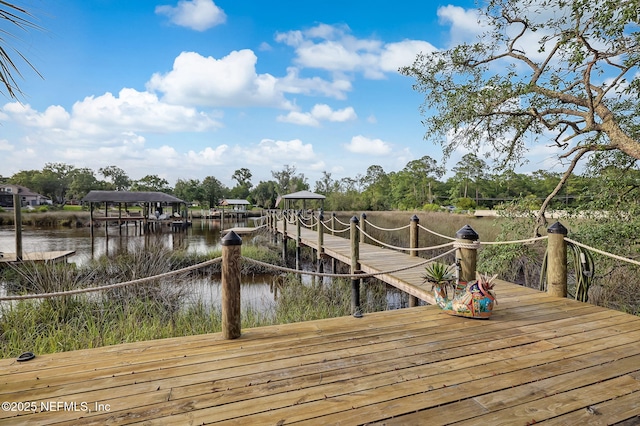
(194, 88)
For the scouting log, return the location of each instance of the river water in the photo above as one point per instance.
(258, 292)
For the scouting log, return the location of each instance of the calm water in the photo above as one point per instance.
(202, 237)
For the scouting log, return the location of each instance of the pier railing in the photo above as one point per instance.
(465, 244)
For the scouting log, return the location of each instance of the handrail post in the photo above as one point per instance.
(363, 225)
(413, 235)
(284, 236)
(298, 240)
(466, 257)
(413, 243)
(333, 223)
(231, 320)
(320, 251)
(557, 260)
(355, 268)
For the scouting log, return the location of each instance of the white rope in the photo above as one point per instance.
(435, 233)
(335, 230)
(530, 240)
(341, 222)
(404, 248)
(614, 256)
(472, 245)
(386, 229)
(373, 274)
(111, 286)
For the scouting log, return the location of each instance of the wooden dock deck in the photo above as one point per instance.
(538, 359)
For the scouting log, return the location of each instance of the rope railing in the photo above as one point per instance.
(358, 275)
(386, 229)
(604, 253)
(435, 233)
(341, 222)
(335, 230)
(403, 248)
(526, 241)
(112, 286)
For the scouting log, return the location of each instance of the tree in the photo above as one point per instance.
(265, 194)
(189, 190)
(119, 179)
(288, 181)
(152, 183)
(212, 191)
(19, 19)
(326, 185)
(83, 181)
(568, 68)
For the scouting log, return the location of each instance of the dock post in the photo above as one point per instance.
(363, 227)
(465, 255)
(320, 251)
(557, 260)
(17, 218)
(334, 266)
(284, 236)
(298, 239)
(355, 268)
(413, 243)
(231, 250)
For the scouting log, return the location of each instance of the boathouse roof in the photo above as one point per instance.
(130, 197)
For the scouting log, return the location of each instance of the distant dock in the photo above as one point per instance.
(38, 256)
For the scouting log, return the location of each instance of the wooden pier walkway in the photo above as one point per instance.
(373, 259)
(539, 359)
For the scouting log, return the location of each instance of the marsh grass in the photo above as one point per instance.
(154, 310)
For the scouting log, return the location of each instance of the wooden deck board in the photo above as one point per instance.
(537, 358)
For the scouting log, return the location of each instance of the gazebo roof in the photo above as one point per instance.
(303, 195)
(234, 202)
(130, 197)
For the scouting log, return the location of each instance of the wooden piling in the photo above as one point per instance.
(355, 267)
(320, 252)
(466, 256)
(17, 218)
(298, 239)
(413, 243)
(557, 260)
(231, 251)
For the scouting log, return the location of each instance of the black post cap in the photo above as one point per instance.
(231, 239)
(557, 228)
(415, 218)
(467, 233)
(355, 219)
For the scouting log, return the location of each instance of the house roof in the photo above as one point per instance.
(234, 202)
(303, 195)
(130, 197)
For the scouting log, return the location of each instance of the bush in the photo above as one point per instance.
(431, 208)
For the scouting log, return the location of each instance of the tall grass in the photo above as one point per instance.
(153, 310)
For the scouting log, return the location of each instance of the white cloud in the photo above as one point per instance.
(229, 81)
(320, 112)
(199, 15)
(270, 151)
(363, 145)
(5, 145)
(333, 48)
(208, 156)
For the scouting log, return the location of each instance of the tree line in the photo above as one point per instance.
(419, 185)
